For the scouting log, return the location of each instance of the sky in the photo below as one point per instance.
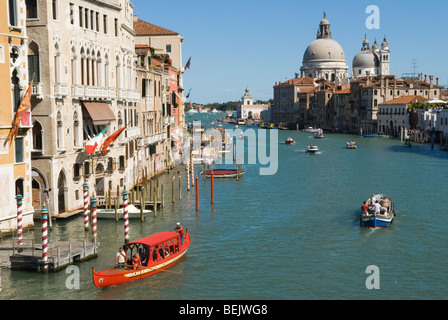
(239, 44)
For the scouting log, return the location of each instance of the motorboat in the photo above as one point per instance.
(312, 149)
(351, 145)
(289, 140)
(223, 173)
(311, 129)
(319, 134)
(384, 217)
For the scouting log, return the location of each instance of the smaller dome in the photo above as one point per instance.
(366, 59)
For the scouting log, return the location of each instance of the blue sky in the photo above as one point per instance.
(236, 44)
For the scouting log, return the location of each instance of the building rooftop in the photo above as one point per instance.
(143, 28)
(405, 100)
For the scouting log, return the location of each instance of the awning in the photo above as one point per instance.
(100, 112)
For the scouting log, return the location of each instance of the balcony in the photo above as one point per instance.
(37, 90)
(154, 138)
(61, 90)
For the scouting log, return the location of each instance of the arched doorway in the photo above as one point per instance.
(39, 191)
(61, 192)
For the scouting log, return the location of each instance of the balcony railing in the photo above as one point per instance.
(61, 90)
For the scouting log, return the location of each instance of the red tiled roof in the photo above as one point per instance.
(406, 100)
(143, 28)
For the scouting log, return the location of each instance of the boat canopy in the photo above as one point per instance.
(155, 239)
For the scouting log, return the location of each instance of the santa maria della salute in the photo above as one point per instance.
(330, 94)
(324, 58)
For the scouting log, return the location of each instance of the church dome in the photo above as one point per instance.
(366, 59)
(324, 50)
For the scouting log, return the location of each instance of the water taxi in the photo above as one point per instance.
(289, 140)
(159, 252)
(386, 213)
(312, 149)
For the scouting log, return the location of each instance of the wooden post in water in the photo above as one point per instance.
(180, 188)
(44, 212)
(150, 191)
(19, 220)
(197, 194)
(86, 206)
(213, 188)
(172, 189)
(155, 201)
(116, 208)
(142, 204)
(126, 215)
(162, 196)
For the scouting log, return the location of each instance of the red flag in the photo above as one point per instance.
(111, 139)
(25, 105)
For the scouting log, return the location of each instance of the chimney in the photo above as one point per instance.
(431, 79)
(135, 17)
(437, 81)
(426, 78)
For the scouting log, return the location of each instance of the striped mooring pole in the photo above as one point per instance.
(94, 230)
(86, 206)
(126, 215)
(19, 220)
(44, 212)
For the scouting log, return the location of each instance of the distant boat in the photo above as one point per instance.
(289, 140)
(133, 213)
(368, 135)
(192, 111)
(384, 218)
(351, 145)
(223, 173)
(311, 129)
(319, 134)
(312, 149)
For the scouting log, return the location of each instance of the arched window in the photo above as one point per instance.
(76, 130)
(33, 62)
(15, 83)
(37, 136)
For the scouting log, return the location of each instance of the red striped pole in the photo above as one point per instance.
(44, 212)
(86, 206)
(188, 175)
(126, 215)
(197, 194)
(19, 220)
(94, 227)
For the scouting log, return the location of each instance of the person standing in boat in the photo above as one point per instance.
(364, 208)
(120, 258)
(181, 232)
(377, 207)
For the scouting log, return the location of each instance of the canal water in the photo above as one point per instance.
(292, 235)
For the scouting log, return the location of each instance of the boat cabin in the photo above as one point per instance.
(154, 248)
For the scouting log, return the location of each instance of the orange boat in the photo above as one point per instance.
(161, 250)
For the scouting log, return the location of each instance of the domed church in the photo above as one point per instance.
(324, 57)
(374, 62)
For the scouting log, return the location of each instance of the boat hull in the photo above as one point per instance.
(376, 221)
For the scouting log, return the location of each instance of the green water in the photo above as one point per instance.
(292, 235)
